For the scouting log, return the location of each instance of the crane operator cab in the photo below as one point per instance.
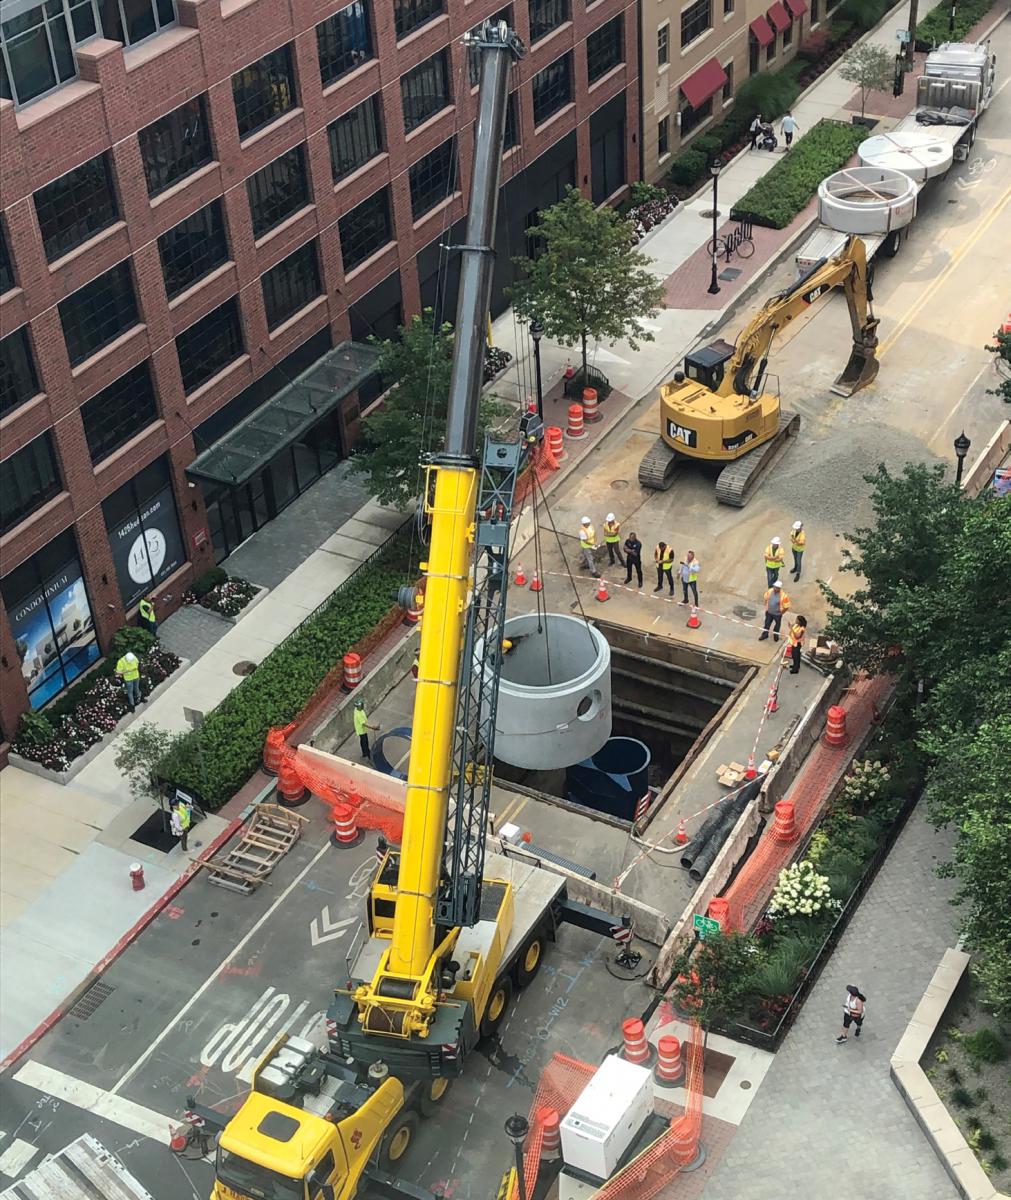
(707, 364)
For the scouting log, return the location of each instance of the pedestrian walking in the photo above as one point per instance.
(853, 1012)
(181, 820)
(798, 542)
(775, 561)
(790, 127)
(633, 558)
(146, 618)
(587, 546)
(612, 534)
(663, 556)
(688, 573)
(777, 602)
(798, 631)
(415, 666)
(362, 728)
(755, 129)
(128, 669)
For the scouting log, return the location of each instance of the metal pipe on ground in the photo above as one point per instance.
(706, 830)
(706, 856)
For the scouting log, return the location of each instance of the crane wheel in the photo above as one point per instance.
(433, 1094)
(530, 959)
(498, 1005)
(398, 1139)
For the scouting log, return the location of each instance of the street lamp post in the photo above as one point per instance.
(536, 332)
(962, 445)
(516, 1128)
(714, 170)
(951, 20)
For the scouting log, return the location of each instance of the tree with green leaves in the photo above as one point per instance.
(712, 980)
(410, 422)
(587, 281)
(140, 752)
(1002, 349)
(870, 67)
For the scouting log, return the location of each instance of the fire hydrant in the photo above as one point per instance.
(137, 877)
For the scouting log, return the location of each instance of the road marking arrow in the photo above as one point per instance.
(323, 929)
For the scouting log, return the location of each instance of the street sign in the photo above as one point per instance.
(705, 926)
(194, 716)
(902, 35)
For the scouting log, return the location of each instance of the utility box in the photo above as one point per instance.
(606, 1118)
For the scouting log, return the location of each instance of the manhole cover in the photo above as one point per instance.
(619, 485)
(744, 612)
(730, 273)
(745, 1084)
(708, 213)
(88, 1004)
(244, 668)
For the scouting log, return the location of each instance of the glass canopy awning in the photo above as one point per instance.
(286, 416)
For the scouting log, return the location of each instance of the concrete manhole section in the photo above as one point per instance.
(245, 667)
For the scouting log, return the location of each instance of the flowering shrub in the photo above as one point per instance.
(643, 217)
(864, 785)
(96, 713)
(495, 360)
(229, 597)
(800, 892)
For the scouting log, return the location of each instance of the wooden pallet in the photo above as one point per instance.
(267, 839)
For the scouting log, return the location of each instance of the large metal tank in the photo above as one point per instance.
(614, 780)
(866, 200)
(554, 701)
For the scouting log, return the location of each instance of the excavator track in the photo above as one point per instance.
(659, 466)
(738, 481)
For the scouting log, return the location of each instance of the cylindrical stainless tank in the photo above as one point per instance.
(554, 702)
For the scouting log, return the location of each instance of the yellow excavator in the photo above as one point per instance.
(715, 410)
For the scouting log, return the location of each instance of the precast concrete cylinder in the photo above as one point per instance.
(554, 702)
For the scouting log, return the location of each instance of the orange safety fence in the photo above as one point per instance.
(823, 769)
(542, 463)
(371, 810)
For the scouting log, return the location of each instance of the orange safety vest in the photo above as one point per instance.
(784, 599)
(797, 635)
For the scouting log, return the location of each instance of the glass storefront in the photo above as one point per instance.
(50, 615)
(143, 527)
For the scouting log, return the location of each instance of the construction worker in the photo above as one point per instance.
(362, 728)
(128, 669)
(663, 556)
(145, 616)
(182, 819)
(777, 602)
(415, 666)
(587, 545)
(612, 532)
(798, 631)
(688, 573)
(798, 540)
(633, 558)
(775, 561)
(510, 644)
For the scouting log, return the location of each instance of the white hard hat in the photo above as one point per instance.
(609, 517)
(585, 521)
(777, 584)
(130, 656)
(776, 541)
(798, 524)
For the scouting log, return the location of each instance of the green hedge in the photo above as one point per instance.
(782, 192)
(932, 29)
(218, 759)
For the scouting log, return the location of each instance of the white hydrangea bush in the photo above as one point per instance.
(865, 783)
(800, 892)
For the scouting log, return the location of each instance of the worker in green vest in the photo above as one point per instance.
(612, 536)
(362, 728)
(182, 819)
(145, 616)
(128, 669)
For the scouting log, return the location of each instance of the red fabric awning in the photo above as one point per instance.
(705, 83)
(797, 7)
(762, 30)
(779, 17)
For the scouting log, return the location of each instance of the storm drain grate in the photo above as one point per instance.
(89, 1003)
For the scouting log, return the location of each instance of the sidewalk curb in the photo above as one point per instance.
(109, 958)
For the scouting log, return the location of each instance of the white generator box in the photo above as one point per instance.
(609, 1113)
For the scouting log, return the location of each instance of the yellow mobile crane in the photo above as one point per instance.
(715, 410)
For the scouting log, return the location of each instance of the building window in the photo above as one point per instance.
(29, 478)
(552, 88)
(143, 529)
(663, 45)
(607, 162)
(278, 190)
(50, 616)
(433, 178)
(37, 46)
(344, 40)
(815, 11)
(728, 87)
(787, 36)
(76, 206)
(356, 138)
(98, 313)
(210, 345)
(695, 20)
(365, 229)
(409, 15)
(6, 266)
(604, 49)
(193, 248)
(133, 21)
(119, 412)
(425, 91)
(474, 55)
(692, 118)
(175, 145)
(770, 50)
(18, 381)
(264, 90)
(546, 15)
(291, 285)
(663, 137)
(728, 7)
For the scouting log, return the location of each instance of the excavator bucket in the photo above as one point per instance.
(863, 363)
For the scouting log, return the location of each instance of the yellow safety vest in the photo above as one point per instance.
(773, 556)
(667, 562)
(798, 538)
(361, 721)
(612, 531)
(587, 537)
(146, 609)
(128, 670)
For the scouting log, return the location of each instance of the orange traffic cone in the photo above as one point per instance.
(681, 837)
(773, 704)
(535, 583)
(751, 772)
(694, 620)
(521, 576)
(602, 590)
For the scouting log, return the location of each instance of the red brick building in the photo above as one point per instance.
(208, 205)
